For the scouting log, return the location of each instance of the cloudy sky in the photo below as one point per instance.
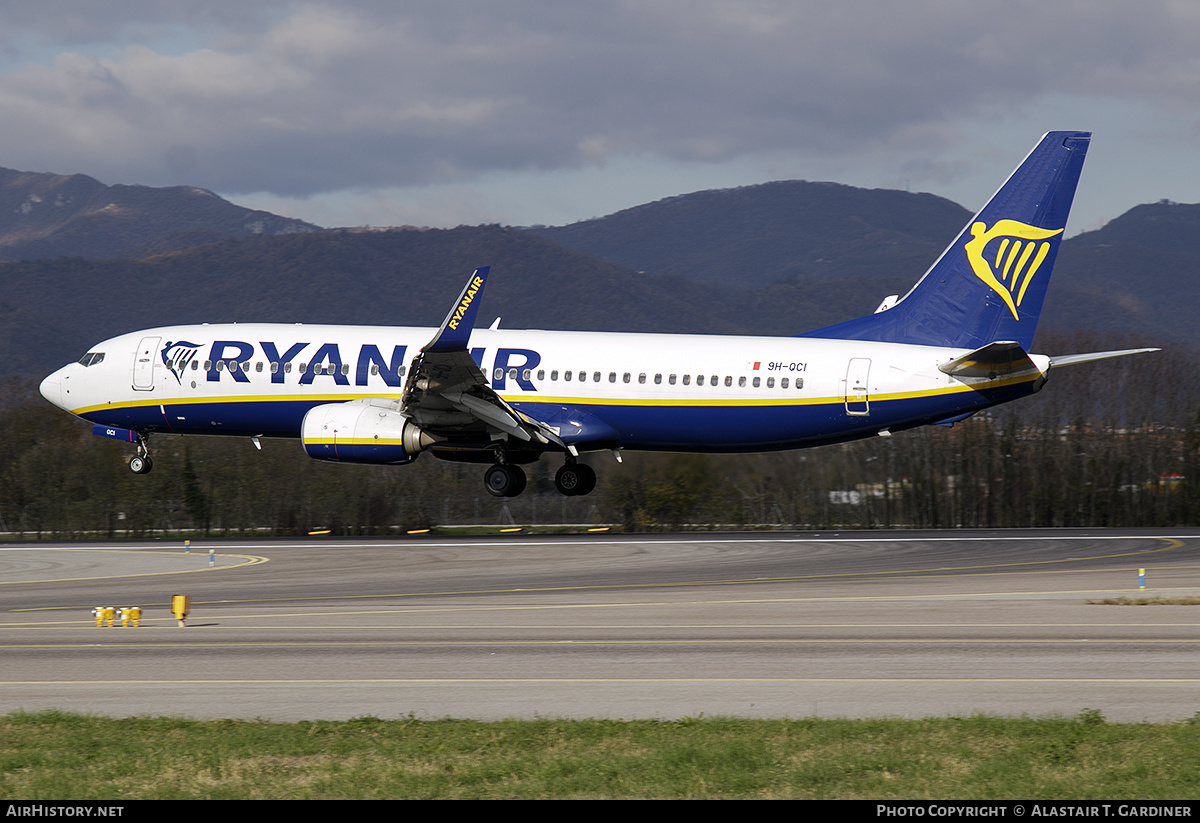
(438, 113)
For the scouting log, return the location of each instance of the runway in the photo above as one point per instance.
(855, 624)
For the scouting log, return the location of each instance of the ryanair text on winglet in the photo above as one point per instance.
(469, 295)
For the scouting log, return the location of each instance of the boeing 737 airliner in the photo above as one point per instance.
(957, 343)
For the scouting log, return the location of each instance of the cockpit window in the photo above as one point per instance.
(91, 358)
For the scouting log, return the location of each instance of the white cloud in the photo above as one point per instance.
(296, 99)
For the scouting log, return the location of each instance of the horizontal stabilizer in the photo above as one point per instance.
(1072, 359)
(992, 361)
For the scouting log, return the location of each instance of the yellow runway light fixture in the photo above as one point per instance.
(180, 604)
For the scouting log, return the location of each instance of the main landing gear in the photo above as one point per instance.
(504, 480)
(141, 463)
(573, 479)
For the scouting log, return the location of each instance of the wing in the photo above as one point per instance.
(449, 396)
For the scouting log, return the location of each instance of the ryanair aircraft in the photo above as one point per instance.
(957, 343)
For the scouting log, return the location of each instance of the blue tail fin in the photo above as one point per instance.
(990, 283)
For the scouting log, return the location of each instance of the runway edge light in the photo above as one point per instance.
(180, 605)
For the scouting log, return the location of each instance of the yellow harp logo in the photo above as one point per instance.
(1011, 264)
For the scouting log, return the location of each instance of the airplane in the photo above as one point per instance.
(958, 342)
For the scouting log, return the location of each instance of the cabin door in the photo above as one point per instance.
(857, 400)
(143, 364)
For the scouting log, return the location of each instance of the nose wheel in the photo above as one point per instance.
(141, 463)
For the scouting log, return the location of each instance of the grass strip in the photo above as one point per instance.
(61, 756)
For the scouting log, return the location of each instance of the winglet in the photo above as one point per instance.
(456, 328)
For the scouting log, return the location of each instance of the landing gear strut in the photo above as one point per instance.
(575, 479)
(504, 480)
(141, 463)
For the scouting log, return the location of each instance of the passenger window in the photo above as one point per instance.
(303, 368)
(554, 375)
(596, 377)
(258, 367)
(525, 374)
(627, 377)
(728, 380)
(567, 376)
(642, 377)
(687, 379)
(287, 368)
(757, 382)
(657, 379)
(783, 382)
(498, 374)
(770, 382)
(671, 380)
(195, 365)
(345, 368)
(699, 380)
(582, 377)
(713, 382)
(612, 377)
(374, 369)
(741, 382)
(799, 382)
(274, 367)
(400, 371)
(541, 374)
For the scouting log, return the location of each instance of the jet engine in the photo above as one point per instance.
(367, 431)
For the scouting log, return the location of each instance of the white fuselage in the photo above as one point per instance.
(655, 391)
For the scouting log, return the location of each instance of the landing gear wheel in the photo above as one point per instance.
(504, 481)
(140, 465)
(575, 479)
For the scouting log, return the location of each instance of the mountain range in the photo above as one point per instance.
(73, 215)
(87, 261)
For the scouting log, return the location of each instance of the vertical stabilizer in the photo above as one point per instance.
(990, 283)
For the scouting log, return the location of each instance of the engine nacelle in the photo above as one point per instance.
(362, 432)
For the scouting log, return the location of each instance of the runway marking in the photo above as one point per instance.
(631, 680)
(341, 644)
(250, 560)
(899, 574)
(169, 623)
(749, 601)
(584, 542)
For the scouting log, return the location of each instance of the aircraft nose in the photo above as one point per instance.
(51, 388)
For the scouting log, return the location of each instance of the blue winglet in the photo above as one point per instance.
(456, 328)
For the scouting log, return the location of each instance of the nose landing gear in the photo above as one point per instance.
(141, 463)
